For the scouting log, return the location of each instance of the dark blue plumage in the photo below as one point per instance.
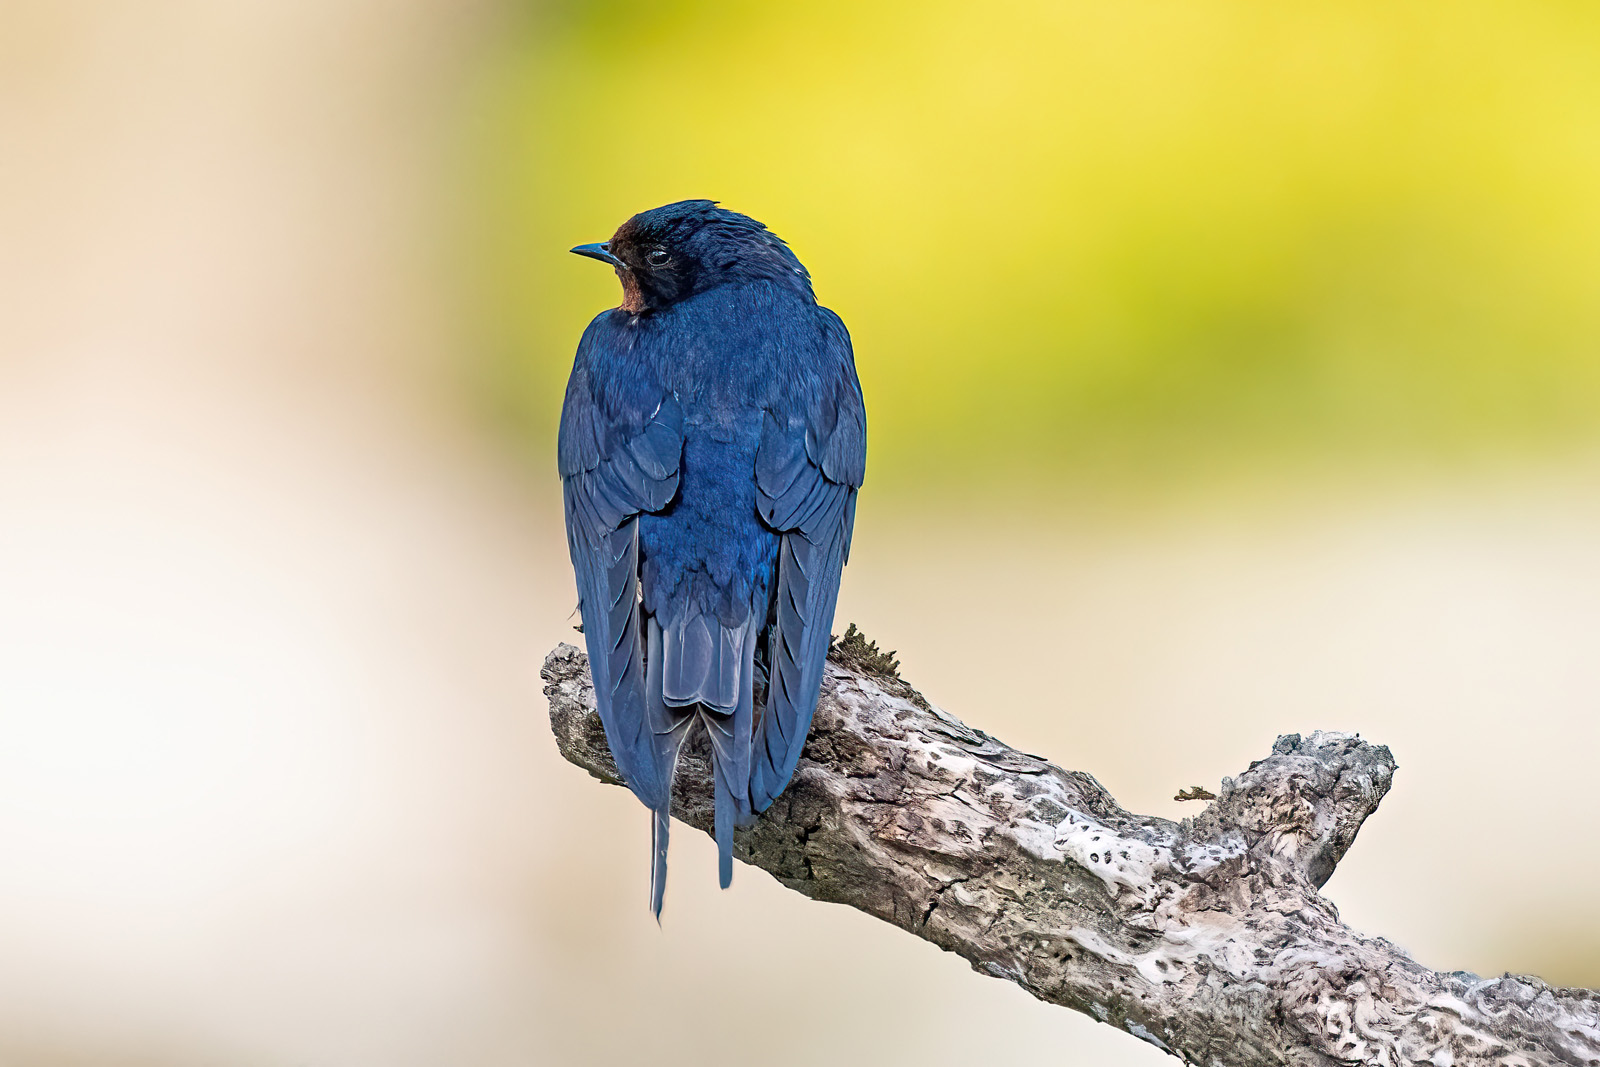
(712, 442)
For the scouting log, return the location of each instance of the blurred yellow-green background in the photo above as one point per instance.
(1235, 364)
(1073, 239)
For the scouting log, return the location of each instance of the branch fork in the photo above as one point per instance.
(1206, 938)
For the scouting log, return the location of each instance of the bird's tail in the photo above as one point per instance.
(728, 717)
(661, 823)
(730, 760)
(670, 726)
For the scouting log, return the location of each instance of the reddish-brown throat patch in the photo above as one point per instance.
(632, 295)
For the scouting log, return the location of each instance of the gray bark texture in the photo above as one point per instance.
(1206, 937)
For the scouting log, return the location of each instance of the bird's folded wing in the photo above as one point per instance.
(615, 465)
(810, 462)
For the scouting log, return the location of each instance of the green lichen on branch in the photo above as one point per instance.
(856, 652)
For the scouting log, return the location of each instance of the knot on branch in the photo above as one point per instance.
(1302, 806)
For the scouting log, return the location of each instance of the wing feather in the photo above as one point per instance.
(808, 468)
(614, 465)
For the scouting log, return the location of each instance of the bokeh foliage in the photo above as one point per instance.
(1085, 239)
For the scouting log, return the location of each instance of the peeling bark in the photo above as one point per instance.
(1206, 938)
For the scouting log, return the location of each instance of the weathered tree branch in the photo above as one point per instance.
(1206, 938)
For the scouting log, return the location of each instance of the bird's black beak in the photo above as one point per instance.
(601, 251)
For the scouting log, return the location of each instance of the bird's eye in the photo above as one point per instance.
(657, 257)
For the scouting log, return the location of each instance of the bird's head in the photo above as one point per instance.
(671, 253)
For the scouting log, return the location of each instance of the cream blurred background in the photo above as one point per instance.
(276, 784)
